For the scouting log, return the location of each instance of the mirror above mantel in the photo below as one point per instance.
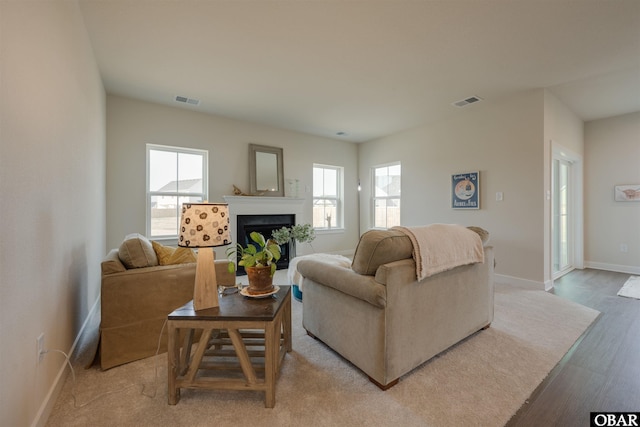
(266, 176)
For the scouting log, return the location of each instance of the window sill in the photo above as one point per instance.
(337, 230)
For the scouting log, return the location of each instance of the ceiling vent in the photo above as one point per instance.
(186, 100)
(465, 102)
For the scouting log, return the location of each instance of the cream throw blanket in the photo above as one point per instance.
(441, 247)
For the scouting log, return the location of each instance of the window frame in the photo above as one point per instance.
(339, 198)
(150, 194)
(374, 198)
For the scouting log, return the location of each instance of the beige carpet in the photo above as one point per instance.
(481, 381)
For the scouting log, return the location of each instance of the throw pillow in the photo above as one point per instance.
(162, 252)
(137, 252)
(169, 256)
(182, 256)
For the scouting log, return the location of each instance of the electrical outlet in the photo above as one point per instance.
(40, 347)
(624, 247)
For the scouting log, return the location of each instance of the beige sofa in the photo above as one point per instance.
(380, 318)
(136, 297)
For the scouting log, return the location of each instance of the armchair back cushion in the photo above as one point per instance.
(378, 247)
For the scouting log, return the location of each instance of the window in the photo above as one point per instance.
(327, 196)
(174, 176)
(386, 196)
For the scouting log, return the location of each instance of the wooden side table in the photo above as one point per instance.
(263, 324)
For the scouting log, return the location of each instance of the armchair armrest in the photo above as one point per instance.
(344, 280)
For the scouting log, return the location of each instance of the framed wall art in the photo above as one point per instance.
(465, 190)
(627, 193)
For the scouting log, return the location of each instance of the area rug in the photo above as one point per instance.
(631, 288)
(482, 381)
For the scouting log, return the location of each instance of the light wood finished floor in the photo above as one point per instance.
(602, 370)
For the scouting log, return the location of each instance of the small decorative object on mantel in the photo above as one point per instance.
(259, 262)
(293, 186)
(465, 190)
(239, 192)
(627, 193)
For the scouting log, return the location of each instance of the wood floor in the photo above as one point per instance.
(602, 370)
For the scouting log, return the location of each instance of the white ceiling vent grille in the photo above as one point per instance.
(185, 100)
(467, 101)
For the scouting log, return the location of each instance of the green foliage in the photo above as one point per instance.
(263, 253)
(302, 233)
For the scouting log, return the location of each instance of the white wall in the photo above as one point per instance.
(504, 141)
(612, 157)
(131, 124)
(52, 181)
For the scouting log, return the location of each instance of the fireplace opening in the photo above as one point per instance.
(265, 225)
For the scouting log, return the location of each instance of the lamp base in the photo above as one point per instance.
(205, 291)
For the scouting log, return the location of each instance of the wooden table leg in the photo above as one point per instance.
(186, 351)
(271, 351)
(173, 355)
(286, 324)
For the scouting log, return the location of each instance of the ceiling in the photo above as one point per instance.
(363, 67)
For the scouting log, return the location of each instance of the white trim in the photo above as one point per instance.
(372, 206)
(50, 399)
(339, 198)
(204, 195)
(629, 269)
(517, 281)
(337, 230)
(262, 205)
(576, 207)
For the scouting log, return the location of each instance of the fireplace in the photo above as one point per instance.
(265, 224)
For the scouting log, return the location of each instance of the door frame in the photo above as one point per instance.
(576, 207)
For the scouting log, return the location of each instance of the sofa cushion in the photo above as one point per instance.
(170, 256)
(378, 247)
(484, 234)
(136, 251)
(112, 264)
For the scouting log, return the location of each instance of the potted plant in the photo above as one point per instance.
(301, 233)
(259, 261)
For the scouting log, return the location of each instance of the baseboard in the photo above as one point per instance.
(629, 269)
(49, 401)
(517, 281)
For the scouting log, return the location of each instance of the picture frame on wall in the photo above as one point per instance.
(627, 193)
(465, 190)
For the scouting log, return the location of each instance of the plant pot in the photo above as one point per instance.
(260, 280)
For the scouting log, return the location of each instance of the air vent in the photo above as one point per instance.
(186, 100)
(465, 102)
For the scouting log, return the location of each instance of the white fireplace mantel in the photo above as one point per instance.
(260, 205)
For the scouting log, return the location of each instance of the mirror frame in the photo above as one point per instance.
(253, 150)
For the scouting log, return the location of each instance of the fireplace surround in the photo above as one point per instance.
(276, 212)
(265, 224)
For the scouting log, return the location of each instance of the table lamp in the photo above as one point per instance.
(204, 226)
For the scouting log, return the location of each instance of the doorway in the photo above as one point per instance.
(567, 212)
(561, 224)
